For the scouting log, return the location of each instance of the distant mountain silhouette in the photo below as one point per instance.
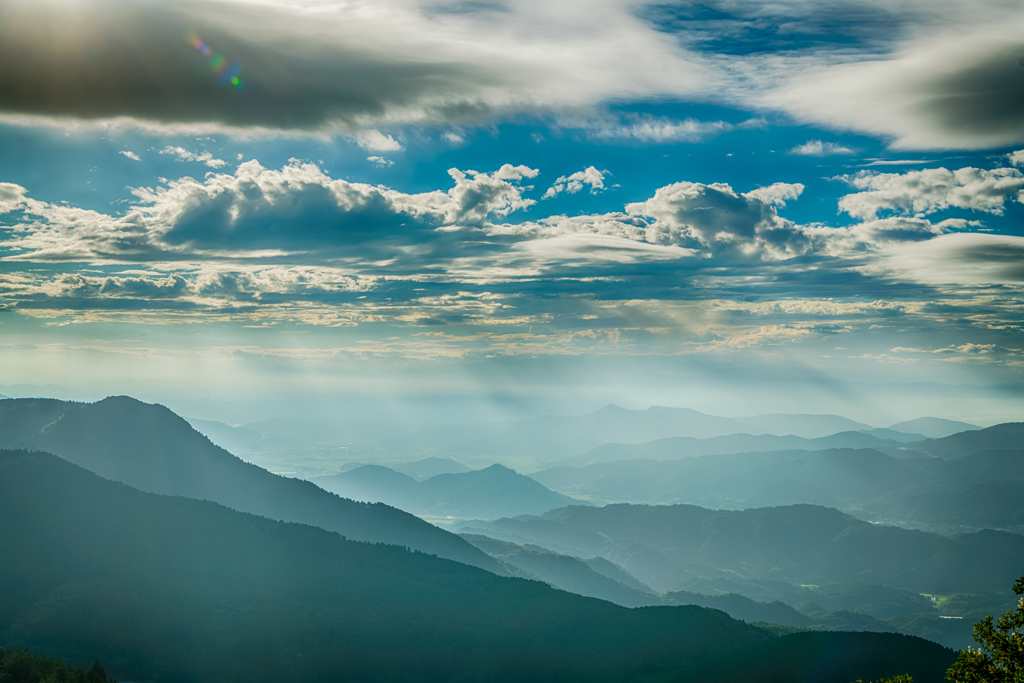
(1001, 437)
(175, 590)
(150, 448)
(664, 546)
(431, 467)
(496, 491)
(232, 439)
(551, 438)
(807, 426)
(933, 427)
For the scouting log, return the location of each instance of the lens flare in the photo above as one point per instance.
(229, 73)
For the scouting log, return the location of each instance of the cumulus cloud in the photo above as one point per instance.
(927, 191)
(817, 148)
(184, 155)
(380, 162)
(131, 155)
(1016, 158)
(572, 184)
(723, 220)
(263, 213)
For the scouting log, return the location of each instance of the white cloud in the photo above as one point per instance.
(453, 137)
(817, 148)
(11, 196)
(131, 155)
(723, 220)
(1016, 158)
(185, 155)
(930, 190)
(580, 249)
(380, 162)
(948, 81)
(375, 141)
(572, 184)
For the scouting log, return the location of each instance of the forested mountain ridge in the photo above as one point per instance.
(187, 590)
(150, 448)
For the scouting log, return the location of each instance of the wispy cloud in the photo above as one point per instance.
(205, 157)
(817, 148)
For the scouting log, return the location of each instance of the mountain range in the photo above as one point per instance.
(668, 546)
(906, 486)
(174, 589)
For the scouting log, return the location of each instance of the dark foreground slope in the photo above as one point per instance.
(822, 658)
(150, 448)
(172, 589)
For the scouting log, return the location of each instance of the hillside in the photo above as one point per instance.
(182, 590)
(821, 658)
(493, 492)
(1001, 437)
(152, 449)
(567, 573)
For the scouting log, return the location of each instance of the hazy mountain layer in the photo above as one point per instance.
(978, 491)
(807, 426)
(665, 546)
(152, 449)
(552, 438)
(490, 493)
(678, 447)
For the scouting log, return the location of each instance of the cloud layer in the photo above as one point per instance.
(921, 74)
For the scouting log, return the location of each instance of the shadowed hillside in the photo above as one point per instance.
(185, 590)
(152, 449)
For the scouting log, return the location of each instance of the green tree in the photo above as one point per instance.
(1000, 655)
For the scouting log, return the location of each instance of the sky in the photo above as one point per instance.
(486, 208)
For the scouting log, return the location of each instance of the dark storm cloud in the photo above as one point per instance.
(97, 59)
(982, 98)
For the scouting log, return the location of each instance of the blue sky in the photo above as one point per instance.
(807, 206)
